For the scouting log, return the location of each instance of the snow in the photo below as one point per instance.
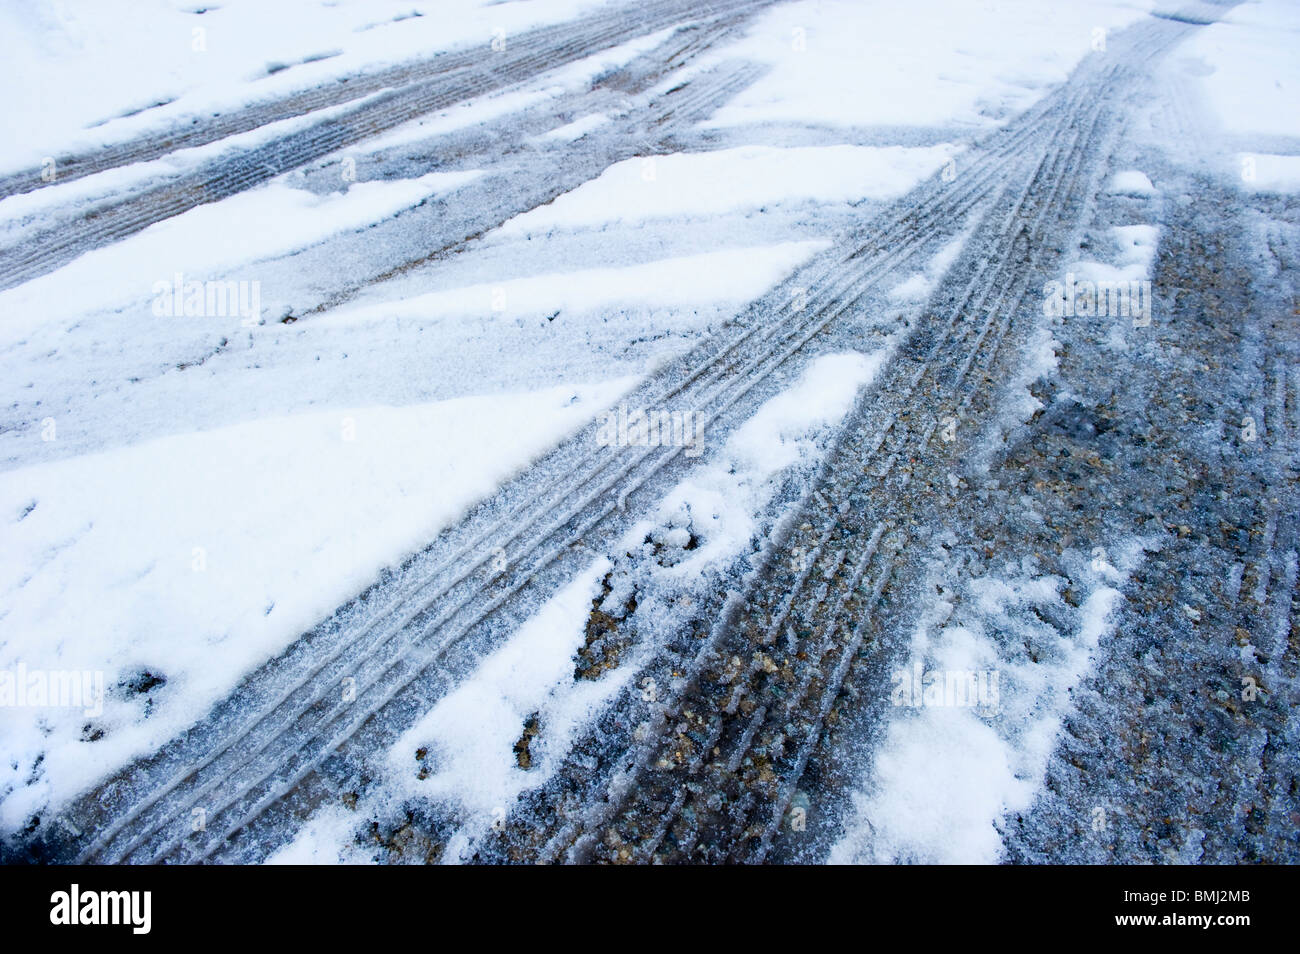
(469, 735)
(1131, 182)
(919, 285)
(64, 194)
(945, 775)
(731, 276)
(570, 78)
(199, 556)
(747, 177)
(216, 489)
(1129, 258)
(326, 839)
(211, 241)
(725, 497)
(572, 132)
(1038, 363)
(143, 52)
(1270, 173)
(1136, 245)
(1251, 76)
(721, 502)
(922, 63)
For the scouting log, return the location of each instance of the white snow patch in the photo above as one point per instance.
(1132, 258)
(693, 185)
(200, 556)
(723, 499)
(1038, 362)
(945, 775)
(733, 275)
(471, 112)
(572, 132)
(919, 285)
(327, 838)
(569, 78)
(71, 65)
(1269, 173)
(923, 63)
(211, 241)
(1130, 182)
(1254, 75)
(469, 736)
(1136, 245)
(63, 194)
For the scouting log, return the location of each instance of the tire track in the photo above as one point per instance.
(263, 746)
(727, 711)
(607, 28)
(45, 250)
(717, 378)
(1211, 615)
(606, 498)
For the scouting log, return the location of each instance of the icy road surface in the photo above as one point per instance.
(581, 431)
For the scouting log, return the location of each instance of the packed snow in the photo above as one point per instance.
(184, 493)
(198, 557)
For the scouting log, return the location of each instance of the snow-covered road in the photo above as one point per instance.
(576, 430)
